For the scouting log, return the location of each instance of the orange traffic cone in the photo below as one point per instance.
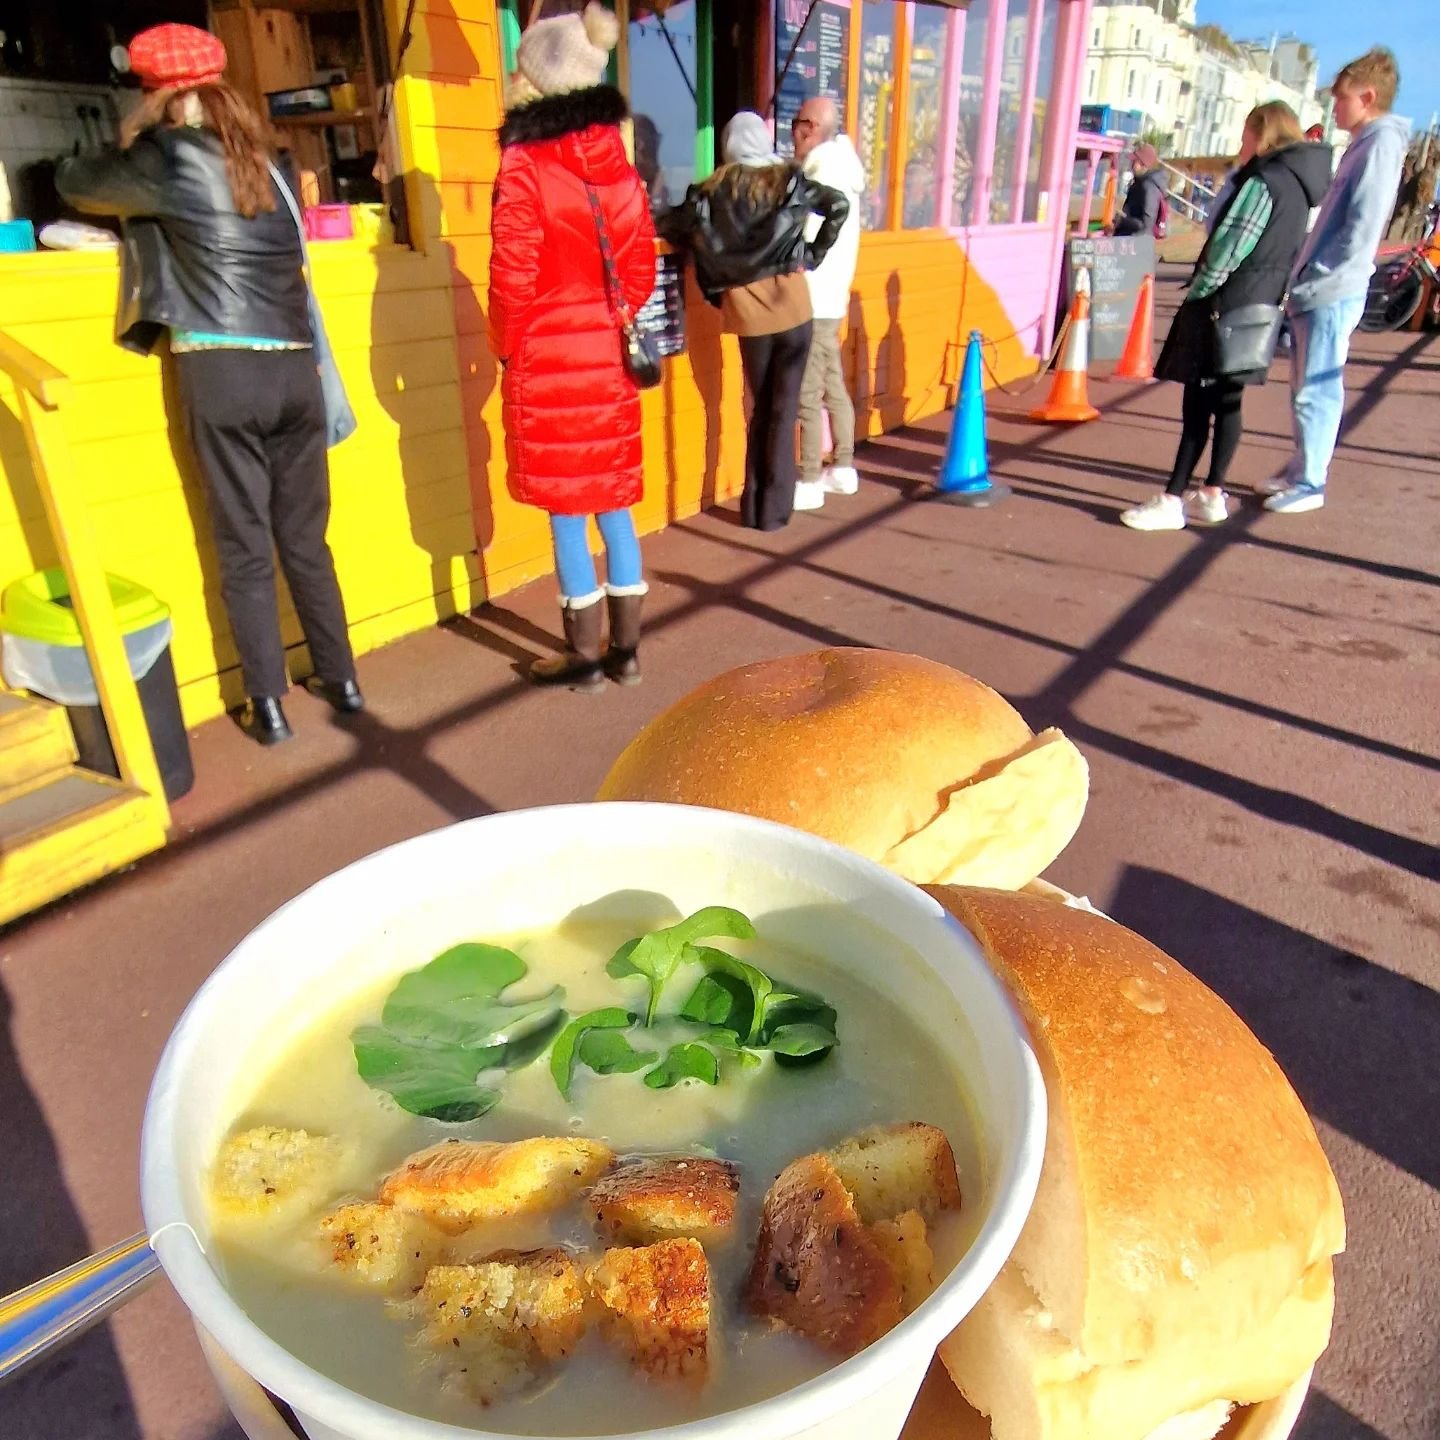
(1069, 402)
(1137, 362)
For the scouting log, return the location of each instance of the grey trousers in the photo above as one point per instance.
(824, 383)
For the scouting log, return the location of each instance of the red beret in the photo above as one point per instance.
(176, 55)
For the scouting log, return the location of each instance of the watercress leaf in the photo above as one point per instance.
(562, 1057)
(797, 1010)
(686, 1061)
(656, 955)
(721, 963)
(802, 1039)
(619, 965)
(608, 1052)
(455, 998)
(437, 1081)
(520, 1052)
(723, 1000)
(727, 1042)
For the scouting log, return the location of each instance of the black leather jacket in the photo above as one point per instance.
(740, 232)
(191, 261)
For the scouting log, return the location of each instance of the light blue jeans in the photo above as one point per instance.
(575, 566)
(1320, 346)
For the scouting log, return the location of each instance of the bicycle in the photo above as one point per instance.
(1398, 286)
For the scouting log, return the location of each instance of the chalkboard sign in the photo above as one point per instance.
(821, 65)
(662, 316)
(1117, 264)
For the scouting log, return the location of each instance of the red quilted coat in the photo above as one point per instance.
(572, 413)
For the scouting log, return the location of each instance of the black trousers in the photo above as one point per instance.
(1217, 403)
(256, 420)
(774, 368)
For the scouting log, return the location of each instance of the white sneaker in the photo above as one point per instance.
(841, 480)
(809, 494)
(1207, 508)
(1295, 500)
(1161, 512)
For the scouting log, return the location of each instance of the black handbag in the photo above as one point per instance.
(1246, 337)
(642, 358)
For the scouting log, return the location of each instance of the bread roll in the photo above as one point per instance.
(1178, 1252)
(902, 759)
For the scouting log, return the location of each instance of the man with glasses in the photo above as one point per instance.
(828, 158)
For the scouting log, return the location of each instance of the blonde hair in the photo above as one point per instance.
(246, 139)
(1376, 69)
(1274, 126)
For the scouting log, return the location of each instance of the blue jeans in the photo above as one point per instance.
(575, 566)
(1317, 385)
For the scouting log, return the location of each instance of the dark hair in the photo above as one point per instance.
(246, 139)
(761, 187)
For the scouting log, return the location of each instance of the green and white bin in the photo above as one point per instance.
(42, 650)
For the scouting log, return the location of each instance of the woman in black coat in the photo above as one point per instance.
(1246, 263)
(745, 228)
(212, 266)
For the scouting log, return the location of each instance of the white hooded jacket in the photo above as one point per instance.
(835, 163)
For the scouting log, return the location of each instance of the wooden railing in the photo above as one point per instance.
(42, 389)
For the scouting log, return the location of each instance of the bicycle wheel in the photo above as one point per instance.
(1394, 297)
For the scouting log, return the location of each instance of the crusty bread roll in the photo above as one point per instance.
(902, 759)
(1178, 1252)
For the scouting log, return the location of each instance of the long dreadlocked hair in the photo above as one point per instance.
(248, 142)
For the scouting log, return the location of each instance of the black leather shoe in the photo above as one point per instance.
(341, 695)
(264, 721)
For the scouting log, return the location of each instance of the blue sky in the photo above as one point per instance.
(1341, 29)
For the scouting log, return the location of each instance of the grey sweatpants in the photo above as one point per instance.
(824, 383)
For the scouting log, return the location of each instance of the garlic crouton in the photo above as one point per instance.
(461, 1182)
(657, 1306)
(817, 1268)
(648, 1200)
(381, 1246)
(495, 1325)
(268, 1170)
(905, 1244)
(894, 1168)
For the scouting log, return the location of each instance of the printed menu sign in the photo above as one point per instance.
(821, 63)
(1117, 264)
(662, 316)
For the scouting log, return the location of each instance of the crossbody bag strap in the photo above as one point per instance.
(288, 196)
(607, 256)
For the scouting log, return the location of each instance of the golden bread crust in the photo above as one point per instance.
(895, 756)
(657, 1306)
(459, 1183)
(647, 1200)
(1184, 1194)
(817, 1268)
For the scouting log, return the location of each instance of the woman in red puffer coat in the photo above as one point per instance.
(572, 413)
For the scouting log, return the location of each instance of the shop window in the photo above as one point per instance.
(815, 40)
(664, 57)
(877, 100)
(1045, 119)
(920, 206)
(1007, 132)
(971, 88)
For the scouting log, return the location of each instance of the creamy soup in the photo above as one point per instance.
(884, 1070)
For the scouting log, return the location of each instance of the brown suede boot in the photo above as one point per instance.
(622, 659)
(579, 666)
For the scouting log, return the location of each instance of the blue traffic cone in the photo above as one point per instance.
(964, 477)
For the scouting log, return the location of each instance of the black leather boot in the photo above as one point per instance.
(622, 659)
(579, 666)
(264, 721)
(340, 695)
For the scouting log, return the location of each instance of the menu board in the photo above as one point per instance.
(821, 64)
(662, 316)
(1117, 264)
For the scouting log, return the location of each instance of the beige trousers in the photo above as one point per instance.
(824, 383)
